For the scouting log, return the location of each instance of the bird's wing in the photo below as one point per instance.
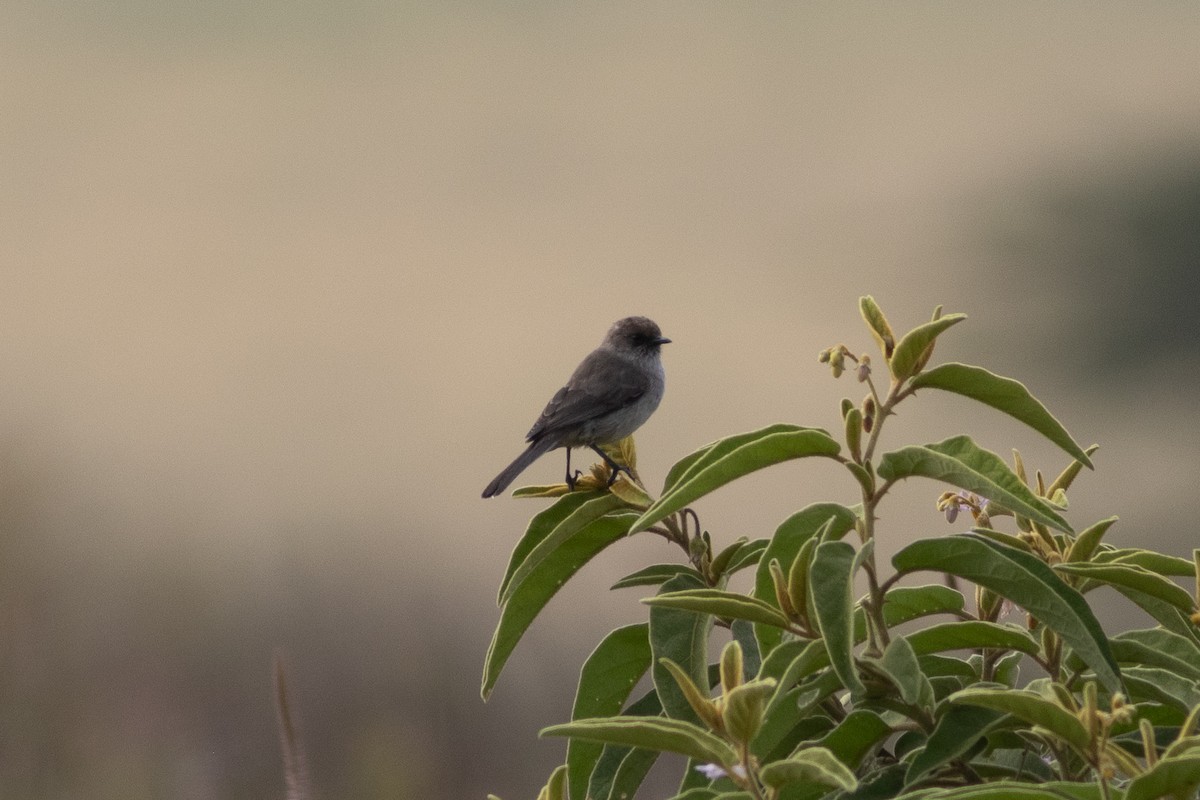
(601, 384)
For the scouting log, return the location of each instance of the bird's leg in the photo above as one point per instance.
(612, 465)
(571, 478)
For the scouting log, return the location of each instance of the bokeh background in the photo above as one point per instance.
(285, 283)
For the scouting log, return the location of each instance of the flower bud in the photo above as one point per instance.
(854, 426)
(743, 712)
(781, 589)
(864, 368)
(837, 361)
(731, 667)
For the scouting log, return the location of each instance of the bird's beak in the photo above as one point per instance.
(662, 340)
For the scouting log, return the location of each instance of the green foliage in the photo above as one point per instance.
(818, 691)
(1003, 394)
(607, 678)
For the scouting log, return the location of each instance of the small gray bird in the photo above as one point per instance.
(608, 397)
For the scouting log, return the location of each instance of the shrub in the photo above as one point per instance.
(817, 693)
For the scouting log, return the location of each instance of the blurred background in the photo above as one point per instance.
(285, 283)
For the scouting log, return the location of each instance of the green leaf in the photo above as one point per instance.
(1159, 597)
(771, 447)
(1002, 394)
(556, 787)
(539, 528)
(682, 637)
(809, 765)
(1163, 612)
(865, 551)
(912, 346)
(697, 793)
(720, 561)
(620, 770)
(778, 662)
(581, 517)
(799, 660)
(1185, 745)
(883, 783)
(693, 778)
(906, 603)
(607, 677)
(788, 725)
(629, 770)
(856, 736)
(748, 556)
(654, 575)
(744, 709)
(530, 597)
(1178, 776)
(1141, 654)
(1012, 790)
(781, 717)
(1086, 543)
(719, 603)
(789, 537)
(1026, 581)
(631, 494)
(1030, 707)
(865, 478)
(654, 733)
(935, 666)
(810, 694)
(743, 633)
(1177, 653)
(1069, 474)
(1008, 669)
(1132, 577)
(702, 705)
(959, 728)
(1013, 762)
(832, 584)
(1155, 562)
(872, 314)
(1162, 686)
(701, 459)
(971, 635)
(960, 462)
(900, 663)
(1003, 538)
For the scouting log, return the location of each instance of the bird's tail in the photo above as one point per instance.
(510, 473)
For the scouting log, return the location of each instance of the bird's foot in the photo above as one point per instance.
(571, 479)
(617, 469)
(614, 468)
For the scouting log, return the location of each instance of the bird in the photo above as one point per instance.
(612, 392)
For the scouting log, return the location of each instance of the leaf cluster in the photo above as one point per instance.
(912, 689)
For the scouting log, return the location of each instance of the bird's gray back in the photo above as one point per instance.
(604, 399)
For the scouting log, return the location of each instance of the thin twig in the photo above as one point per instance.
(295, 764)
